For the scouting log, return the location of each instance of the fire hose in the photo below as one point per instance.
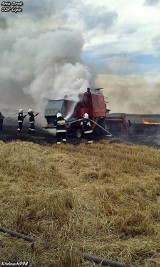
(25, 111)
(11, 115)
(108, 133)
(91, 258)
(101, 127)
(111, 135)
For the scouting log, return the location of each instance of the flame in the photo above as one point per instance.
(153, 123)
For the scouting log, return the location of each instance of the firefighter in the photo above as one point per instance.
(32, 120)
(86, 124)
(1, 122)
(60, 129)
(20, 120)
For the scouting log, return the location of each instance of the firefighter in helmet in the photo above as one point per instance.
(86, 125)
(20, 120)
(1, 121)
(60, 129)
(32, 120)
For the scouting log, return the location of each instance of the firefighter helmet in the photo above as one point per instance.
(85, 116)
(59, 115)
(20, 110)
(30, 111)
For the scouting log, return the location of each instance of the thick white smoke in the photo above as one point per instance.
(47, 66)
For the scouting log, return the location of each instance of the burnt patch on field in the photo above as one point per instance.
(40, 136)
(136, 134)
(144, 134)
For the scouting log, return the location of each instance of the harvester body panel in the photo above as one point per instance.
(99, 106)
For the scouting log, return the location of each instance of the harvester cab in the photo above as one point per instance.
(63, 106)
(51, 110)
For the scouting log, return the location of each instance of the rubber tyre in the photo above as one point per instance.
(78, 133)
(105, 125)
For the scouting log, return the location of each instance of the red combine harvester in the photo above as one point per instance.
(91, 102)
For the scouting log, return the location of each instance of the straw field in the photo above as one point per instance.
(102, 199)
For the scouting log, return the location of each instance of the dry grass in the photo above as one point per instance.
(103, 199)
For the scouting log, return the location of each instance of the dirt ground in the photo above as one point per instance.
(136, 134)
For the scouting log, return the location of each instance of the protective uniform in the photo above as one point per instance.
(60, 129)
(32, 120)
(86, 124)
(1, 122)
(20, 120)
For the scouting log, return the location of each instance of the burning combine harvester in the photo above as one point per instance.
(91, 102)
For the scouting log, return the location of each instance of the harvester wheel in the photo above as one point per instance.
(105, 126)
(78, 133)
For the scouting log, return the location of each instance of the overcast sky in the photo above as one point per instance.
(119, 38)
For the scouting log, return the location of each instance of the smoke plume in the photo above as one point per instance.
(47, 66)
(131, 94)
